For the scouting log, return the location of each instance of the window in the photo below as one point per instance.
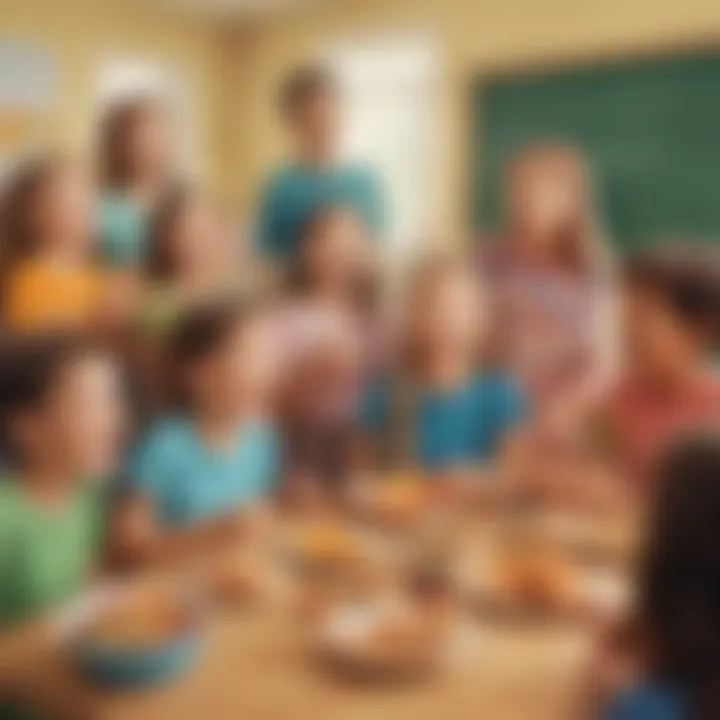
(388, 89)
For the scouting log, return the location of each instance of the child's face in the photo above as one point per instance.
(545, 197)
(241, 373)
(449, 318)
(339, 248)
(657, 341)
(316, 123)
(64, 210)
(79, 425)
(147, 144)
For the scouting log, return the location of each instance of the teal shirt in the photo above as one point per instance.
(463, 426)
(187, 481)
(646, 702)
(122, 230)
(294, 192)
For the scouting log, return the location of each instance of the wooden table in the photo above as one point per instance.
(256, 667)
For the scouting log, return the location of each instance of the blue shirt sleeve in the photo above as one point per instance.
(146, 465)
(645, 703)
(268, 240)
(511, 405)
(267, 459)
(373, 406)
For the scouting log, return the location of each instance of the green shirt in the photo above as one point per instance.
(45, 553)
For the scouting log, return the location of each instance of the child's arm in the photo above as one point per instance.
(137, 540)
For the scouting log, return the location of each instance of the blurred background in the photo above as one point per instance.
(436, 94)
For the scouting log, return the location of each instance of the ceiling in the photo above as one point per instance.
(239, 8)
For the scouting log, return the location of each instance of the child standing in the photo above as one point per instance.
(136, 171)
(48, 281)
(189, 258)
(61, 420)
(197, 468)
(438, 410)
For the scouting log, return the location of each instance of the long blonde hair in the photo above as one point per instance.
(580, 245)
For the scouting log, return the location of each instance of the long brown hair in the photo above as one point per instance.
(19, 235)
(159, 266)
(427, 274)
(578, 244)
(116, 126)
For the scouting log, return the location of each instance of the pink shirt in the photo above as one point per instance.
(544, 322)
(643, 419)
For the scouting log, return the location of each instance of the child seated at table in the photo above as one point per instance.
(48, 279)
(61, 419)
(671, 305)
(438, 409)
(326, 325)
(665, 662)
(199, 467)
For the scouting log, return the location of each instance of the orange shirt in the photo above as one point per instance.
(48, 296)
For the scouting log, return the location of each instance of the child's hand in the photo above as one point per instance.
(305, 492)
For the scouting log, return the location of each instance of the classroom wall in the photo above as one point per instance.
(477, 37)
(81, 33)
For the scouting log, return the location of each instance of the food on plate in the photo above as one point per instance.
(398, 636)
(144, 618)
(402, 497)
(539, 576)
(329, 542)
(231, 581)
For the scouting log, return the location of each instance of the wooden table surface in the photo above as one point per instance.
(255, 664)
(257, 667)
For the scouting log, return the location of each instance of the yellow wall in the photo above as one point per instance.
(477, 36)
(235, 72)
(81, 33)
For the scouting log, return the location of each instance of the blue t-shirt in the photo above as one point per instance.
(645, 702)
(294, 192)
(457, 427)
(122, 230)
(188, 481)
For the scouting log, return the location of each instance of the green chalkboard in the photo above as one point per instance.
(650, 130)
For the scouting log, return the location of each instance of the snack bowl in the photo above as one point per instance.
(387, 641)
(133, 636)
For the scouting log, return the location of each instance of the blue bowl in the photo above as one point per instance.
(135, 666)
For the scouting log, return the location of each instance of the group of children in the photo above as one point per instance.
(154, 392)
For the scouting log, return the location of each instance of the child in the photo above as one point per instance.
(135, 174)
(197, 468)
(61, 420)
(670, 315)
(325, 324)
(189, 258)
(315, 176)
(439, 410)
(666, 663)
(48, 281)
(553, 291)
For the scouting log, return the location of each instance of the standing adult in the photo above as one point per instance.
(135, 172)
(313, 177)
(553, 288)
